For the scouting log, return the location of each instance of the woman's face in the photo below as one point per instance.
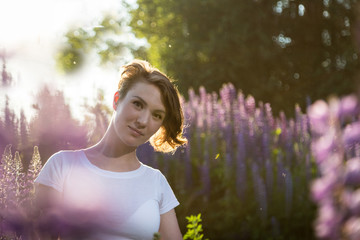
(139, 114)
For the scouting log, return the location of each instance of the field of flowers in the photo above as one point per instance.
(250, 174)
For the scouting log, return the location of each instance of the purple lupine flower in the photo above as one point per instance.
(202, 92)
(322, 147)
(240, 166)
(327, 223)
(352, 228)
(265, 140)
(236, 117)
(225, 94)
(250, 105)
(221, 113)
(241, 105)
(351, 200)
(243, 117)
(251, 137)
(215, 106)
(193, 99)
(188, 167)
(298, 122)
(349, 106)
(282, 124)
(232, 90)
(200, 116)
(192, 105)
(319, 117)
(210, 113)
(352, 172)
(351, 134)
(335, 190)
(269, 116)
(289, 145)
(305, 133)
(322, 187)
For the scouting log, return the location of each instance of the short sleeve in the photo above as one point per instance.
(168, 200)
(52, 173)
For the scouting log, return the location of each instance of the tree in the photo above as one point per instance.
(25, 147)
(280, 51)
(110, 39)
(24, 131)
(9, 135)
(53, 128)
(97, 119)
(6, 77)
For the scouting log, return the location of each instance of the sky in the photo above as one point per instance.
(30, 33)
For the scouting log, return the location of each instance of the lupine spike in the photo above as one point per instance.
(260, 192)
(269, 177)
(288, 191)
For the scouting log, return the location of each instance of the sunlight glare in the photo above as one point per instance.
(31, 33)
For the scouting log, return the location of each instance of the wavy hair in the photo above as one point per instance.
(170, 135)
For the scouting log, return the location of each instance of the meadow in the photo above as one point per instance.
(251, 174)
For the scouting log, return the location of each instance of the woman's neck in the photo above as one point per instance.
(111, 154)
(99, 157)
(111, 146)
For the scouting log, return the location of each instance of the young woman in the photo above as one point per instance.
(121, 197)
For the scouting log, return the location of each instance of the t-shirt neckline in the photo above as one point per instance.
(107, 173)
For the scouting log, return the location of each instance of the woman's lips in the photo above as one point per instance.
(136, 131)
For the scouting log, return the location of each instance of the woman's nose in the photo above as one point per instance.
(143, 118)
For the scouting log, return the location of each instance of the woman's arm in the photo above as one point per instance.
(169, 226)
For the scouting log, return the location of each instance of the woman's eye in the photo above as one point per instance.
(158, 116)
(137, 104)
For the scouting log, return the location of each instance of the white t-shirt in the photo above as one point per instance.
(129, 204)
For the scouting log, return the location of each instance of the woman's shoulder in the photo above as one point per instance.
(155, 173)
(151, 170)
(65, 157)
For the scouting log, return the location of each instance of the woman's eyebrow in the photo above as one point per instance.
(141, 100)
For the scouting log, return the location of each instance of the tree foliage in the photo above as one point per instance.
(280, 51)
(6, 78)
(110, 39)
(54, 128)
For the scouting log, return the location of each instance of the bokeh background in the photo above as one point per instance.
(248, 72)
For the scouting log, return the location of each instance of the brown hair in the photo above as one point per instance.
(169, 136)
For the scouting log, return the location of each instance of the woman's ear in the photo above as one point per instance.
(116, 100)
